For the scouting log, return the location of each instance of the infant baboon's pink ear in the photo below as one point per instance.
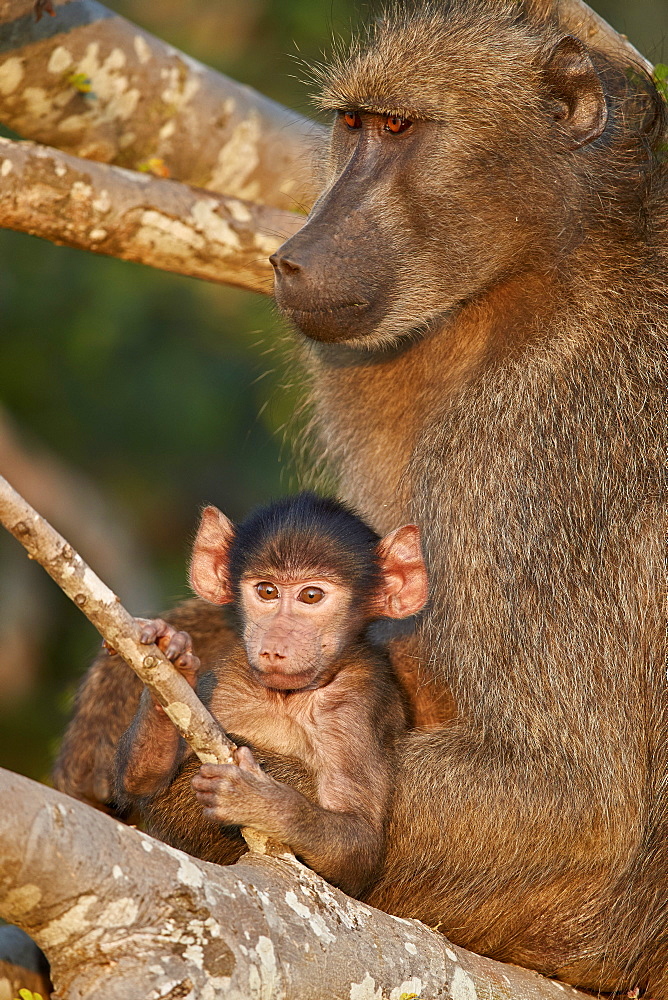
(404, 590)
(209, 566)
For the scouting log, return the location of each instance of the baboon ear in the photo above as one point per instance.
(573, 83)
(404, 589)
(209, 565)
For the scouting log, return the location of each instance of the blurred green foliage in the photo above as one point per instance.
(152, 384)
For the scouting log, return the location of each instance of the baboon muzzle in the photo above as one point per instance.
(329, 277)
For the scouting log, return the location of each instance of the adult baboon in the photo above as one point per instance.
(483, 289)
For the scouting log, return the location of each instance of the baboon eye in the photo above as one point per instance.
(267, 591)
(394, 123)
(352, 119)
(311, 595)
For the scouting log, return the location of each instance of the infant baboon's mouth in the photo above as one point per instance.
(279, 681)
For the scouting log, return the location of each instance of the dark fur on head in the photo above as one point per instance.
(443, 42)
(307, 535)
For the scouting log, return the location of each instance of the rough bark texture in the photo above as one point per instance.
(91, 83)
(134, 216)
(121, 916)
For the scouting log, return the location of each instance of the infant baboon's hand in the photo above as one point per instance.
(177, 646)
(241, 794)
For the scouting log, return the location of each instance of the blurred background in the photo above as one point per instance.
(132, 396)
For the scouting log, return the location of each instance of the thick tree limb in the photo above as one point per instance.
(134, 216)
(121, 916)
(92, 84)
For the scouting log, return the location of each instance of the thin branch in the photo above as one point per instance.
(120, 629)
(138, 217)
(103, 608)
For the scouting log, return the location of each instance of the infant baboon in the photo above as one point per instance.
(314, 699)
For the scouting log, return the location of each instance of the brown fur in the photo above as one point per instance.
(107, 700)
(335, 744)
(109, 694)
(487, 298)
(303, 686)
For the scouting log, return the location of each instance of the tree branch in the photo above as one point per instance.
(134, 216)
(93, 84)
(120, 629)
(120, 915)
(102, 607)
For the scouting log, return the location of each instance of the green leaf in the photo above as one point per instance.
(661, 79)
(80, 82)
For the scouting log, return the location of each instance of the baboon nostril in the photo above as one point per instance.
(272, 657)
(284, 265)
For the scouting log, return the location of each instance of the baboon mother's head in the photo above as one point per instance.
(461, 151)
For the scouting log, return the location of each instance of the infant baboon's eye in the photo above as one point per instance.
(311, 595)
(352, 119)
(395, 124)
(267, 591)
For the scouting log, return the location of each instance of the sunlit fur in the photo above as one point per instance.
(373, 75)
(484, 185)
(510, 399)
